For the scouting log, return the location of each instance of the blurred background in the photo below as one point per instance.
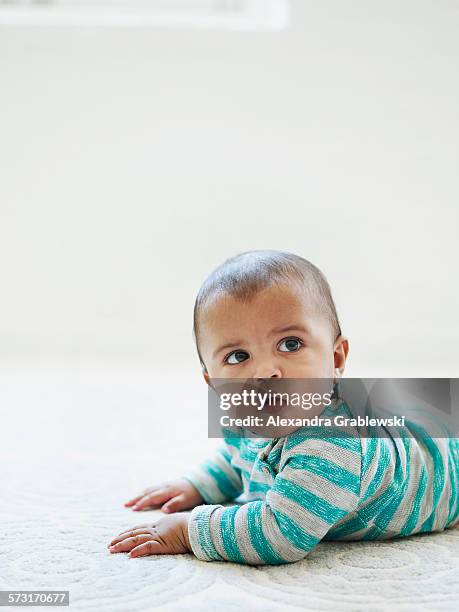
(142, 143)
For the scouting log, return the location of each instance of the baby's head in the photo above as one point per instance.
(265, 314)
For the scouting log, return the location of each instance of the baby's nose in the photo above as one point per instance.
(267, 371)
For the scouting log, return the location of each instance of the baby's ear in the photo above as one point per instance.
(341, 351)
(206, 376)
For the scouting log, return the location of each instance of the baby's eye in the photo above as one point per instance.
(289, 345)
(236, 357)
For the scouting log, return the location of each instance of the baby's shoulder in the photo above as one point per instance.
(345, 451)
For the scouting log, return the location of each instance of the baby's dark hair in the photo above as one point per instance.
(244, 275)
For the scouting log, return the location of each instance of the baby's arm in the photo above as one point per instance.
(215, 481)
(317, 486)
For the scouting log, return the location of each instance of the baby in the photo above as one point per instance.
(270, 314)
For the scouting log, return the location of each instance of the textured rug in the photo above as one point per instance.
(78, 443)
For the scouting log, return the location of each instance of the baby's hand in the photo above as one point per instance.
(172, 496)
(168, 536)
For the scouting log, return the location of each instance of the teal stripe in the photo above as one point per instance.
(257, 537)
(228, 534)
(399, 492)
(294, 533)
(373, 534)
(274, 456)
(234, 442)
(328, 470)
(258, 487)
(414, 514)
(225, 454)
(204, 535)
(452, 496)
(384, 458)
(378, 506)
(223, 482)
(231, 435)
(367, 459)
(227, 457)
(438, 483)
(453, 461)
(351, 526)
(374, 507)
(316, 505)
(366, 513)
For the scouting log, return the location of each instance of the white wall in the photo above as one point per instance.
(135, 161)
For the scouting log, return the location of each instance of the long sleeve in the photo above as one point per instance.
(317, 486)
(216, 479)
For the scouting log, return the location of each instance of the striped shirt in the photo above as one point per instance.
(306, 487)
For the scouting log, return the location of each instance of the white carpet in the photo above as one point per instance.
(77, 444)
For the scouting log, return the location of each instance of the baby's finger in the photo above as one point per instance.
(132, 532)
(175, 504)
(133, 500)
(144, 492)
(153, 499)
(136, 527)
(148, 548)
(130, 543)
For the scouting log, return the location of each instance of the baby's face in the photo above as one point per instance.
(275, 334)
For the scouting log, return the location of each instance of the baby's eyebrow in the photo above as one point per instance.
(287, 328)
